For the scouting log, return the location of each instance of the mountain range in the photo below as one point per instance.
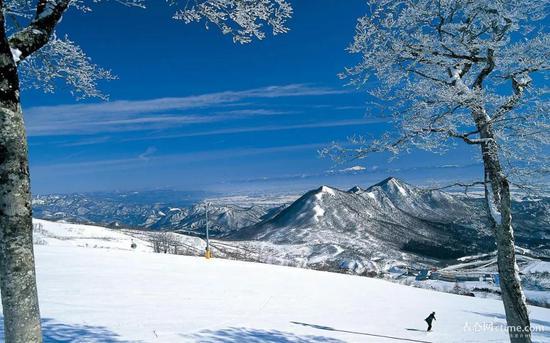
(159, 210)
(326, 227)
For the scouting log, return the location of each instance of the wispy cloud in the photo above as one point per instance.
(357, 171)
(85, 141)
(151, 156)
(263, 128)
(146, 155)
(155, 114)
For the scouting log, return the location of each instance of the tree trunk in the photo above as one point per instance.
(497, 195)
(17, 273)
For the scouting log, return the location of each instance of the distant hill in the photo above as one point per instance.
(158, 210)
(391, 221)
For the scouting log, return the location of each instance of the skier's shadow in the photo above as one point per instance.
(419, 330)
(328, 328)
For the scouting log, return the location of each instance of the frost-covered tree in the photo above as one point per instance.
(31, 55)
(463, 71)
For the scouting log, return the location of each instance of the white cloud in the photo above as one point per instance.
(262, 128)
(155, 114)
(353, 169)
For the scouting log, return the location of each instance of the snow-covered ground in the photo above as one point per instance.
(85, 236)
(89, 293)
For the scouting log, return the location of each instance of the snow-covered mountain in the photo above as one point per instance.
(116, 209)
(222, 218)
(389, 222)
(159, 210)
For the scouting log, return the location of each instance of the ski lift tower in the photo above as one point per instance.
(207, 252)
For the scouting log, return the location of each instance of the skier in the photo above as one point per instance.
(429, 320)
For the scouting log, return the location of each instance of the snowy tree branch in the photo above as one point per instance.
(440, 68)
(38, 32)
(464, 185)
(486, 70)
(243, 19)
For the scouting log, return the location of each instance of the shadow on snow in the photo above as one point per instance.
(239, 335)
(328, 328)
(54, 332)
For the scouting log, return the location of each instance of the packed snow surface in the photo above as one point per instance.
(97, 294)
(85, 236)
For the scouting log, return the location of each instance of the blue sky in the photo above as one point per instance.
(191, 110)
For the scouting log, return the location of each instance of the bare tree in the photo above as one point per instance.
(165, 242)
(462, 71)
(31, 52)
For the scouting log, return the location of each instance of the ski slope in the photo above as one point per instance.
(62, 234)
(98, 294)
